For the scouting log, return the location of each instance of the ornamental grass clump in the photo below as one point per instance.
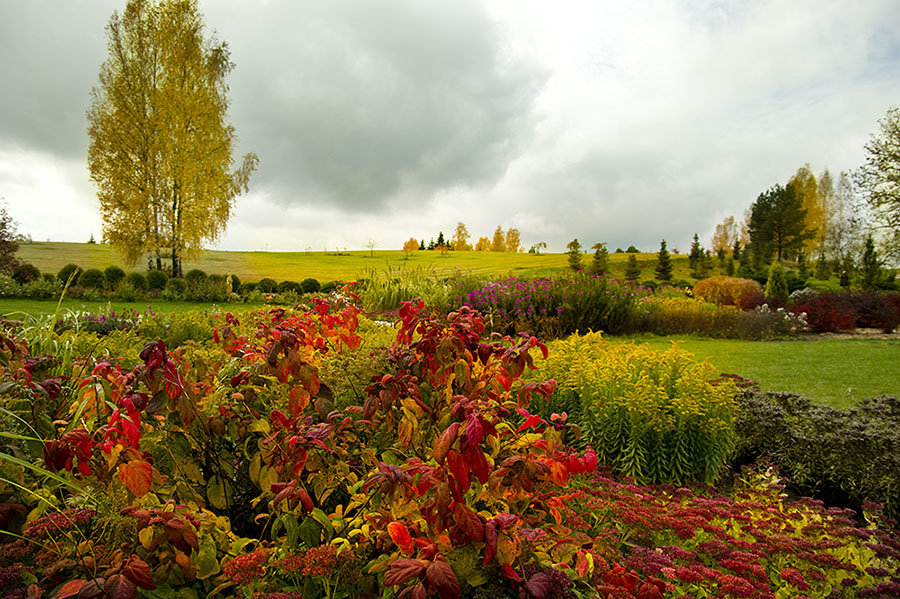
(659, 417)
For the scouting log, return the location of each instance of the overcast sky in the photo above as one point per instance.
(624, 122)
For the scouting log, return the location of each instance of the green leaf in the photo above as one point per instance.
(310, 532)
(218, 490)
(260, 426)
(289, 521)
(206, 562)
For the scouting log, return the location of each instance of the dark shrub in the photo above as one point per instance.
(650, 284)
(877, 311)
(286, 286)
(66, 271)
(156, 279)
(235, 284)
(138, 281)
(175, 288)
(328, 287)
(25, 272)
(113, 275)
(194, 277)
(310, 286)
(849, 454)
(249, 287)
(92, 278)
(268, 285)
(827, 312)
(49, 277)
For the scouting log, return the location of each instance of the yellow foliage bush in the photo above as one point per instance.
(660, 417)
(726, 291)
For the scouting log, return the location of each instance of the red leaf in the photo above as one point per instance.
(510, 574)
(538, 585)
(445, 442)
(138, 572)
(70, 589)
(400, 536)
(479, 464)
(459, 468)
(305, 500)
(469, 522)
(137, 476)
(119, 587)
(474, 430)
(490, 539)
(404, 569)
(441, 575)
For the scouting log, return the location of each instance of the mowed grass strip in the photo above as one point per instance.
(51, 256)
(16, 309)
(837, 372)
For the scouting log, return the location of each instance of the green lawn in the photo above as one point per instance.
(15, 308)
(347, 266)
(838, 372)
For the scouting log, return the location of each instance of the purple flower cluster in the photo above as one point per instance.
(553, 307)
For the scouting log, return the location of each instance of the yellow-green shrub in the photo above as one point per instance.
(656, 416)
(726, 291)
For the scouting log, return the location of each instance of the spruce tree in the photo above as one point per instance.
(632, 270)
(822, 268)
(696, 252)
(776, 286)
(870, 273)
(663, 263)
(600, 262)
(574, 252)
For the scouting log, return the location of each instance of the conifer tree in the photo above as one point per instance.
(663, 263)
(632, 270)
(870, 272)
(600, 261)
(574, 252)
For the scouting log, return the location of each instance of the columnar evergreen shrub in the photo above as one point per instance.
(657, 416)
(235, 283)
(777, 284)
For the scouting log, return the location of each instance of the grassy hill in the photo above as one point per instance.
(346, 266)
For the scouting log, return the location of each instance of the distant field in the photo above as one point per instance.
(347, 266)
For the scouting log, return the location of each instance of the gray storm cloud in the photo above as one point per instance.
(378, 100)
